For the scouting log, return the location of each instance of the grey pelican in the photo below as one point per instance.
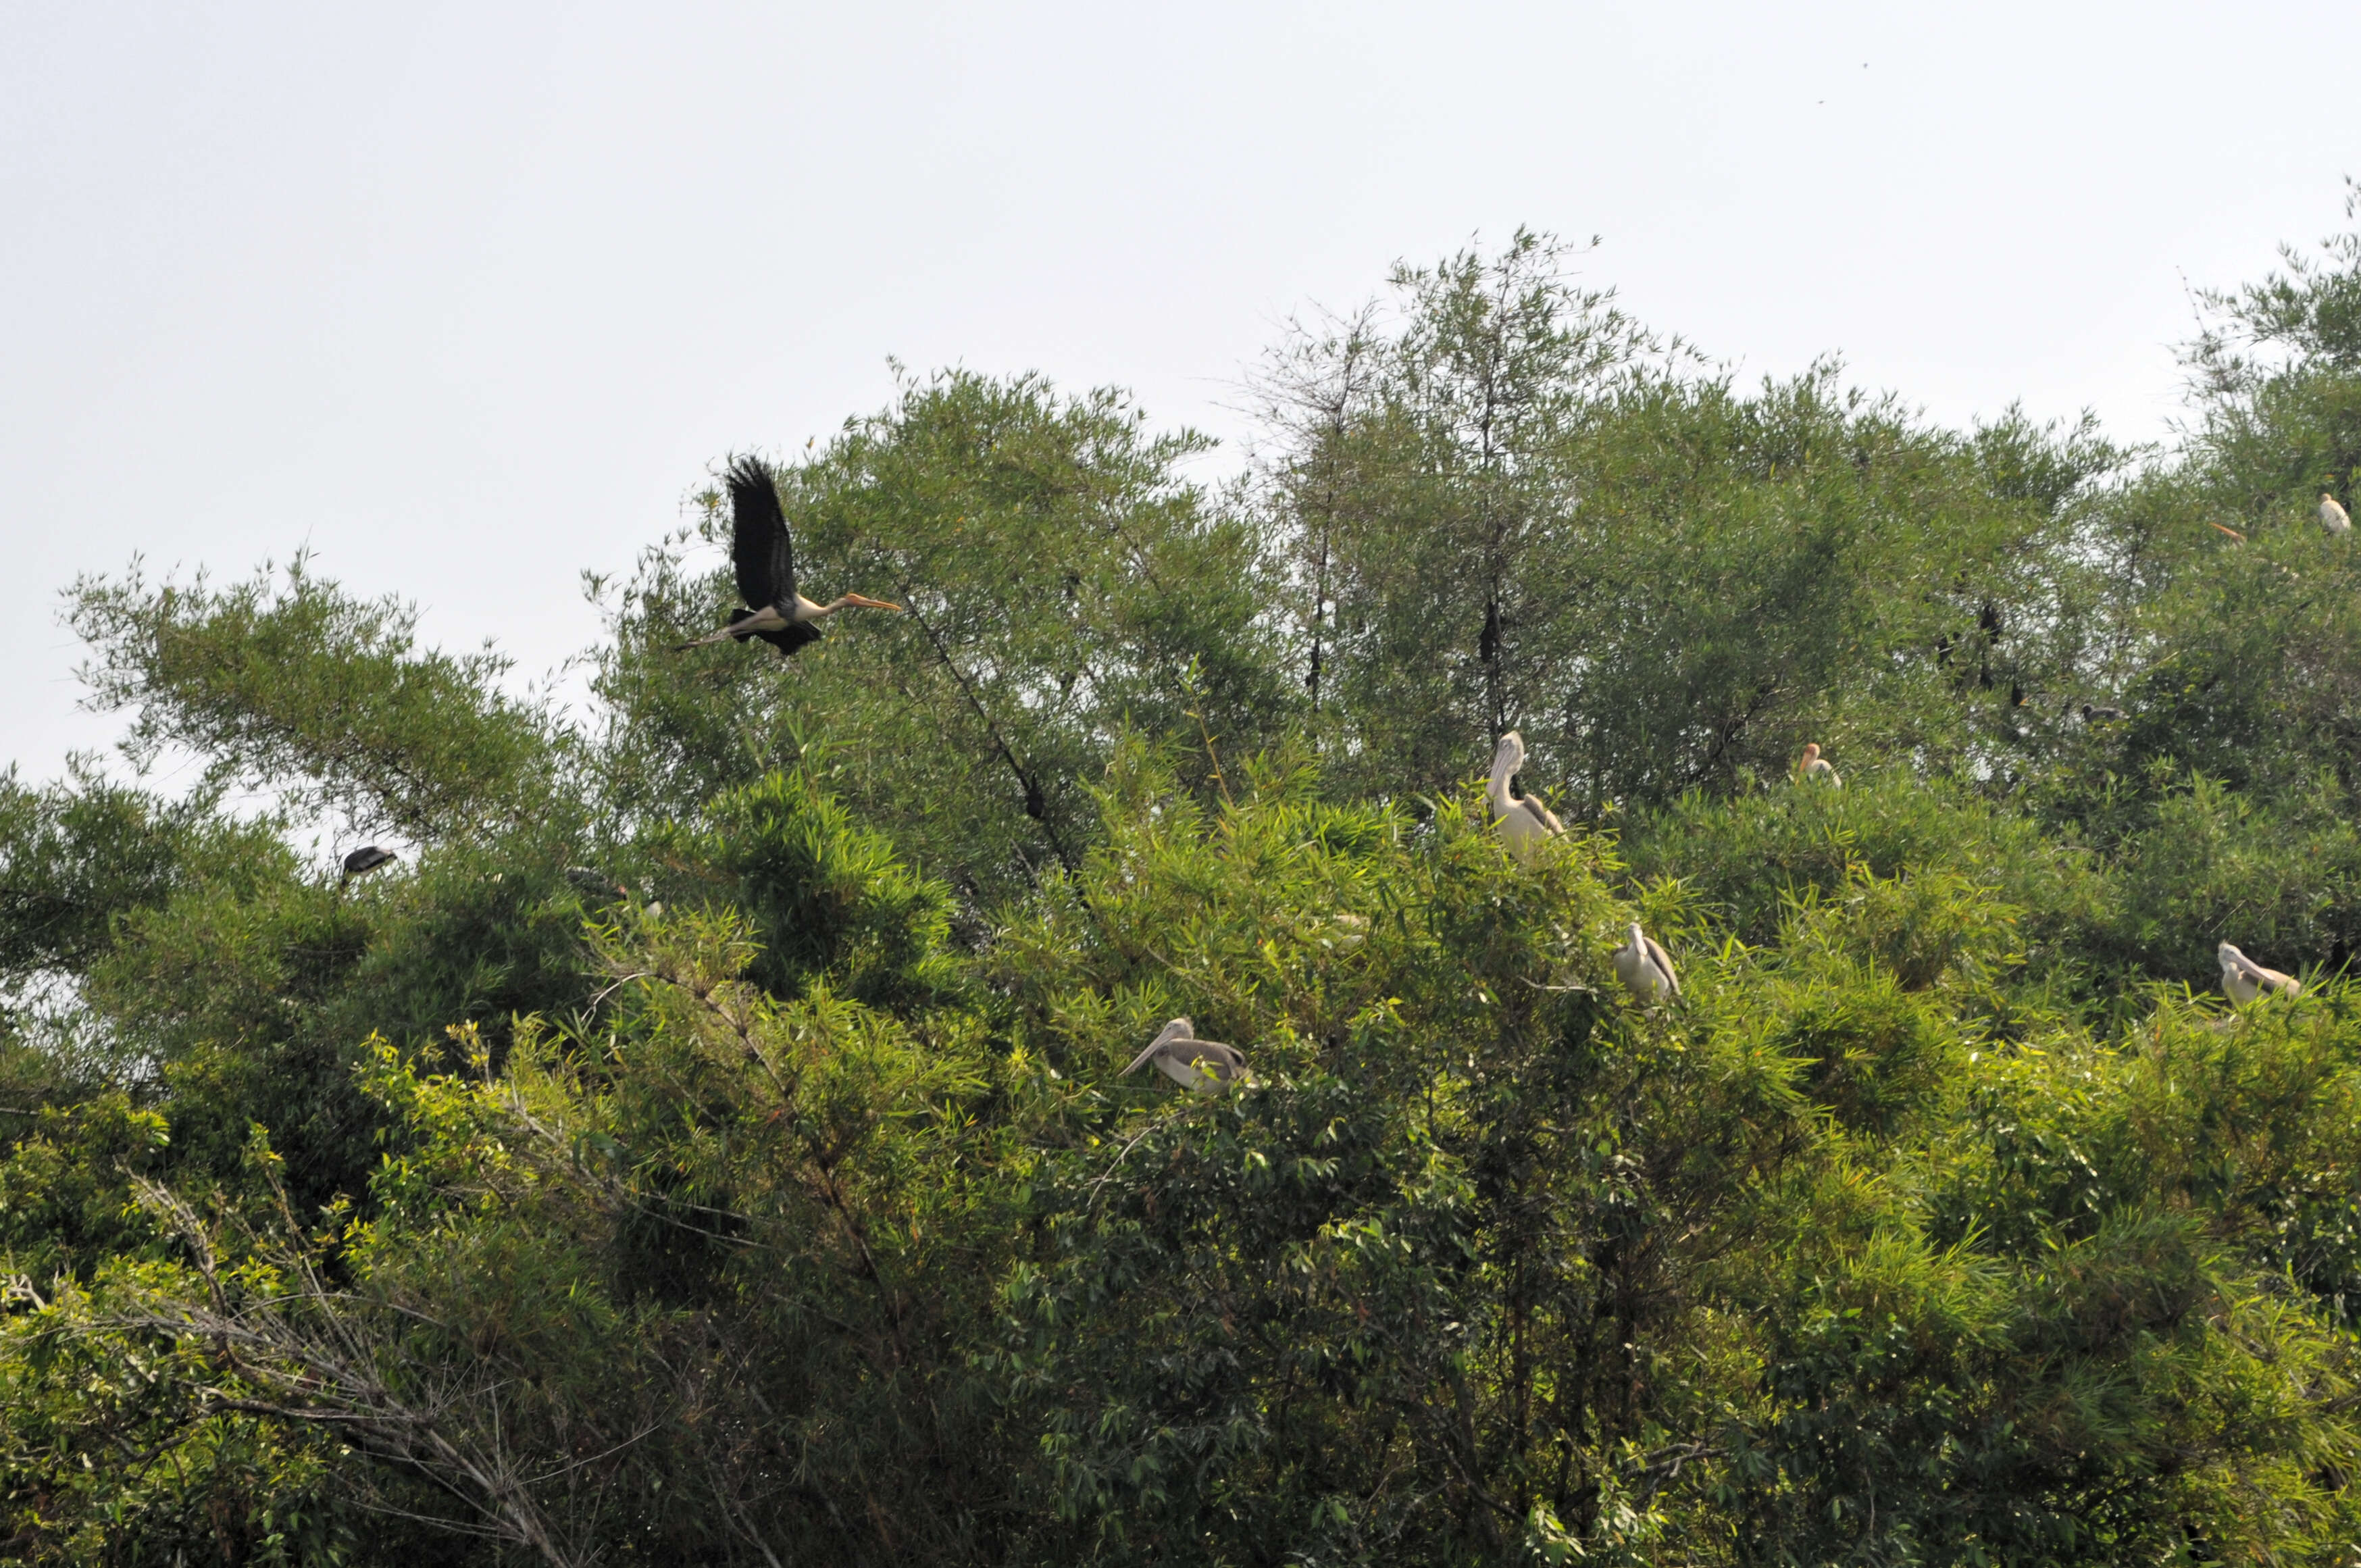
(2244, 979)
(1814, 768)
(1206, 1066)
(765, 560)
(1523, 821)
(1645, 969)
(2331, 516)
(366, 859)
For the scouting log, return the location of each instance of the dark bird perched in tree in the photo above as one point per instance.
(765, 560)
(595, 884)
(1988, 627)
(2101, 715)
(1205, 1065)
(366, 859)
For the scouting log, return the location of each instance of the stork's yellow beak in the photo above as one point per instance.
(867, 603)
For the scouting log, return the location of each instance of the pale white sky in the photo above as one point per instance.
(467, 297)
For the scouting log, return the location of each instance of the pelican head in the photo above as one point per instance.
(2245, 980)
(1177, 1029)
(2238, 976)
(1811, 753)
(1510, 754)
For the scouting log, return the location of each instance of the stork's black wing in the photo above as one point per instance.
(766, 561)
(789, 637)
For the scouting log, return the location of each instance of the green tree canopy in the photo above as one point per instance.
(711, 1140)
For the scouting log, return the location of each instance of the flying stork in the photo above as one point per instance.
(2331, 516)
(1814, 768)
(766, 571)
(1645, 969)
(1523, 821)
(1206, 1066)
(2244, 979)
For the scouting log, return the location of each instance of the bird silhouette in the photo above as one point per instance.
(766, 561)
(366, 859)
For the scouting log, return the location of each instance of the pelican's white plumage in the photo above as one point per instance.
(2334, 517)
(1814, 768)
(1645, 969)
(1206, 1066)
(1524, 823)
(2245, 980)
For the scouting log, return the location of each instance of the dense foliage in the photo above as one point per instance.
(709, 1141)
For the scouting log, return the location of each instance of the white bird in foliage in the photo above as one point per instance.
(1206, 1066)
(2245, 980)
(1523, 821)
(765, 560)
(1645, 969)
(1345, 931)
(1814, 768)
(2333, 516)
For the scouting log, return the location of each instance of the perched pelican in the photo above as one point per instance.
(2244, 979)
(1523, 820)
(1645, 969)
(1206, 1066)
(2331, 516)
(766, 571)
(1344, 931)
(1814, 768)
(366, 859)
